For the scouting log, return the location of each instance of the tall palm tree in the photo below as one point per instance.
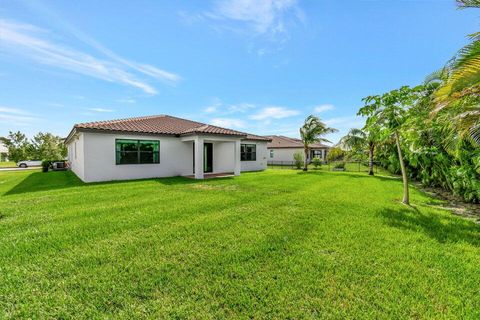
(355, 139)
(460, 85)
(361, 139)
(313, 131)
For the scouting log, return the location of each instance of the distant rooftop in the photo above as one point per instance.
(286, 142)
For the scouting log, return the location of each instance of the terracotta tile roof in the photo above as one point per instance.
(257, 138)
(161, 124)
(209, 129)
(286, 142)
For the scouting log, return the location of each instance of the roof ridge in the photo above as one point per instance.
(169, 116)
(124, 119)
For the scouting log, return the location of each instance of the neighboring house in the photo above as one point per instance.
(281, 150)
(161, 146)
(3, 151)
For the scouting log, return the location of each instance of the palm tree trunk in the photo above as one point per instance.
(305, 162)
(370, 153)
(406, 196)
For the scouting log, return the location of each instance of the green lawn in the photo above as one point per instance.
(7, 164)
(349, 167)
(276, 244)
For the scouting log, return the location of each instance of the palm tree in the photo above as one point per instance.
(460, 85)
(468, 3)
(361, 139)
(313, 131)
(355, 139)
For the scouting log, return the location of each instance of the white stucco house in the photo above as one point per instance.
(3, 151)
(161, 146)
(281, 150)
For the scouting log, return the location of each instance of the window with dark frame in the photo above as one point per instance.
(248, 152)
(317, 153)
(271, 153)
(137, 151)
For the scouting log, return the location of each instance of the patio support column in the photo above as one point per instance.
(237, 162)
(198, 157)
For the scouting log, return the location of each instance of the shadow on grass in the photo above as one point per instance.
(40, 181)
(442, 228)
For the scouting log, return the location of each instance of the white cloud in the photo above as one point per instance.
(13, 111)
(262, 16)
(214, 107)
(240, 108)
(100, 110)
(33, 43)
(52, 17)
(274, 113)
(343, 124)
(127, 100)
(228, 123)
(211, 109)
(15, 116)
(350, 122)
(225, 109)
(323, 108)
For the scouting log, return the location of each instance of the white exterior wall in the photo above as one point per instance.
(76, 155)
(285, 154)
(3, 148)
(100, 163)
(223, 157)
(261, 162)
(3, 151)
(95, 157)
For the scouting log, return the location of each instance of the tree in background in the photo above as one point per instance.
(389, 111)
(19, 148)
(311, 132)
(354, 140)
(358, 140)
(43, 146)
(48, 147)
(335, 154)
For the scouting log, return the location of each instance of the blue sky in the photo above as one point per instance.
(259, 66)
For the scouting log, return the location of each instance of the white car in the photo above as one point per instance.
(29, 163)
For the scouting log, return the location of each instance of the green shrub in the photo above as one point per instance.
(339, 165)
(298, 159)
(46, 165)
(316, 162)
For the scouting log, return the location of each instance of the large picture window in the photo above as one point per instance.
(137, 151)
(248, 152)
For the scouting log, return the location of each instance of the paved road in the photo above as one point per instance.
(19, 169)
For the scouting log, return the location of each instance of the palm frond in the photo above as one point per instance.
(468, 4)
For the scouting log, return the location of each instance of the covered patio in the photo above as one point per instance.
(214, 155)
